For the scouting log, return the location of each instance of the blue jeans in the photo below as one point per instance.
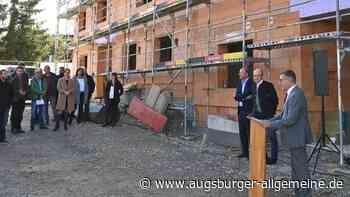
(38, 114)
(50, 100)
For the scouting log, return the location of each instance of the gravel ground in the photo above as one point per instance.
(91, 161)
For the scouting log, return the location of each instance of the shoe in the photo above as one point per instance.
(14, 131)
(4, 142)
(105, 125)
(57, 126)
(17, 131)
(70, 120)
(243, 155)
(20, 131)
(44, 127)
(31, 127)
(270, 161)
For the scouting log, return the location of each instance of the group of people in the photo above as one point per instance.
(258, 98)
(69, 98)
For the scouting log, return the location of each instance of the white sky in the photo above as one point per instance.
(48, 16)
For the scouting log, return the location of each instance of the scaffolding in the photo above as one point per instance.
(152, 16)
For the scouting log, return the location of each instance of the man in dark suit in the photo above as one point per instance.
(20, 91)
(51, 94)
(293, 124)
(92, 85)
(61, 72)
(266, 102)
(245, 94)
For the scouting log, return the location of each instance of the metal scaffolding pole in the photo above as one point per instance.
(208, 69)
(186, 133)
(269, 35)
(109, 19)
(78, 35)
(339, 67)
(128, 41)
(93, 29)
(244, 32)
(65, 45)
(146, 47)
(123, 57)
(153, 38)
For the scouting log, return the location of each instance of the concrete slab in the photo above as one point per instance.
(95, 107)
(222, 124)
(162, 102)
(152, 96)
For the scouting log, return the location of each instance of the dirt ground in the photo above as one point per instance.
(91, 161)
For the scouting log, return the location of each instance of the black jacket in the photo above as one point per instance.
(268, 100)
(5, 94)
(91, 84)
(16, 87)
(118, 90)
(247, 97)
(52, 86)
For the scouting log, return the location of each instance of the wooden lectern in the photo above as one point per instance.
(257, 156)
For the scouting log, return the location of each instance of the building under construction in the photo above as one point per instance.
(198, 47)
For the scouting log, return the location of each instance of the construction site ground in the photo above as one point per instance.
(91, 161)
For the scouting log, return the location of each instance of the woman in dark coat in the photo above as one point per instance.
(113, 91)
(66, 98)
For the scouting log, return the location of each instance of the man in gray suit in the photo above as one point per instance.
(293, 124)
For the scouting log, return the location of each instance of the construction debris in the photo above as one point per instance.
(162, 102)
(153, 95)
(147, 115)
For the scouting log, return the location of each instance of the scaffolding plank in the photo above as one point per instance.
(297, 40)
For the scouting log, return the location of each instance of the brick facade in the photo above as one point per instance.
(220, 100)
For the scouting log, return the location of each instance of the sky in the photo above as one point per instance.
(48, 16)
(319, 6)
